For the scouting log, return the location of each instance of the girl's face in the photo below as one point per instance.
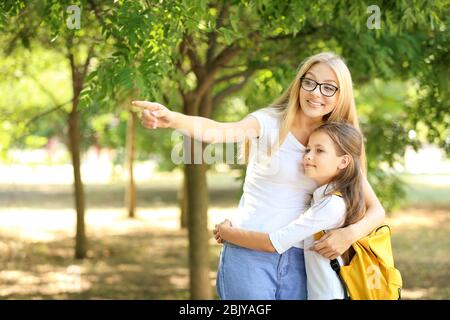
(321, 162)
(313, 103)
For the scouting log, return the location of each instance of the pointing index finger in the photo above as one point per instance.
(152, 106)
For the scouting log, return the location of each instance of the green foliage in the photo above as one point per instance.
(400, 71)
(25, 93)
(142, 41)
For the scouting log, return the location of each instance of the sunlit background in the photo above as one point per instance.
(65, 92)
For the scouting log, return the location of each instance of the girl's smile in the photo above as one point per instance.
(308, 165)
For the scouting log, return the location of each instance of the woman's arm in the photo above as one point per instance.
(324, 215)
(156, 115)
(336, 242)
(247, 239)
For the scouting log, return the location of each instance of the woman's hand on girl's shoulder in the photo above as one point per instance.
(333, 244)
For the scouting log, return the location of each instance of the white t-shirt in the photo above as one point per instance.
(325, 213)
(276, 189)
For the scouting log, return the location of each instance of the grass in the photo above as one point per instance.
(421, 242)
(429, 191)
(146, 258)
(142, 265)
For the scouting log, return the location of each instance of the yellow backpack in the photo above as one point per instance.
(370, 274)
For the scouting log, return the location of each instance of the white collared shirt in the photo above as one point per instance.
(276, 189)
(325, 213)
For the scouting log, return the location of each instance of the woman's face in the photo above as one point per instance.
(321, 162)
(313, 103)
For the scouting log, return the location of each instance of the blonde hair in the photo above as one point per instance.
(287, 104)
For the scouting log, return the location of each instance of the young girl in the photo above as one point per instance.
(332, 160)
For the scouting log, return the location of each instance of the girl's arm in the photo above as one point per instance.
(156, 115)
(326, 214)
(336, 242)
(247, 239)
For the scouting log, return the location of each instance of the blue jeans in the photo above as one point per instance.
(246, 274)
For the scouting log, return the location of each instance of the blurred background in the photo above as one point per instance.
(92, 205)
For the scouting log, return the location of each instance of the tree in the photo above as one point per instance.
(209, 51)
(216, 47)
(31, 24)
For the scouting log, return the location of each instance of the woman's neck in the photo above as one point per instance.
(303, 122)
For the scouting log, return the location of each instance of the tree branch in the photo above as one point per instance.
(219, 62)
(44, 89)
(306, 31)
(165, 99)
(212, 37)
(212, 42)
(225, 56)
(188, 47)
(280, 37)
(57, 107)
(88, 60)
(179, 65)
(219, 97)
(234, 75)
(236, 66)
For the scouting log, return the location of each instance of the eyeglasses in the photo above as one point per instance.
(328, 90)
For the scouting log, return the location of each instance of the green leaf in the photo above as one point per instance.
(227, 35)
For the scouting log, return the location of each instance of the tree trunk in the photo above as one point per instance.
(78, 76)
(197, 193)
(74, 140)
(199, 103)
(183, 203)
(130, 193)
(197, 203)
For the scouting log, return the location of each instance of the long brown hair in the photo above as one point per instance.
(347, 141)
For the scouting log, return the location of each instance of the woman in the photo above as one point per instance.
(276, 190)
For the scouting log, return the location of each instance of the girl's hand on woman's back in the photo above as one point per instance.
(219, 227)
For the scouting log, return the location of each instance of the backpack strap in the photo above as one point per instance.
(337, 268)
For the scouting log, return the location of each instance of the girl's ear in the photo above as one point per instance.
(344, 162)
